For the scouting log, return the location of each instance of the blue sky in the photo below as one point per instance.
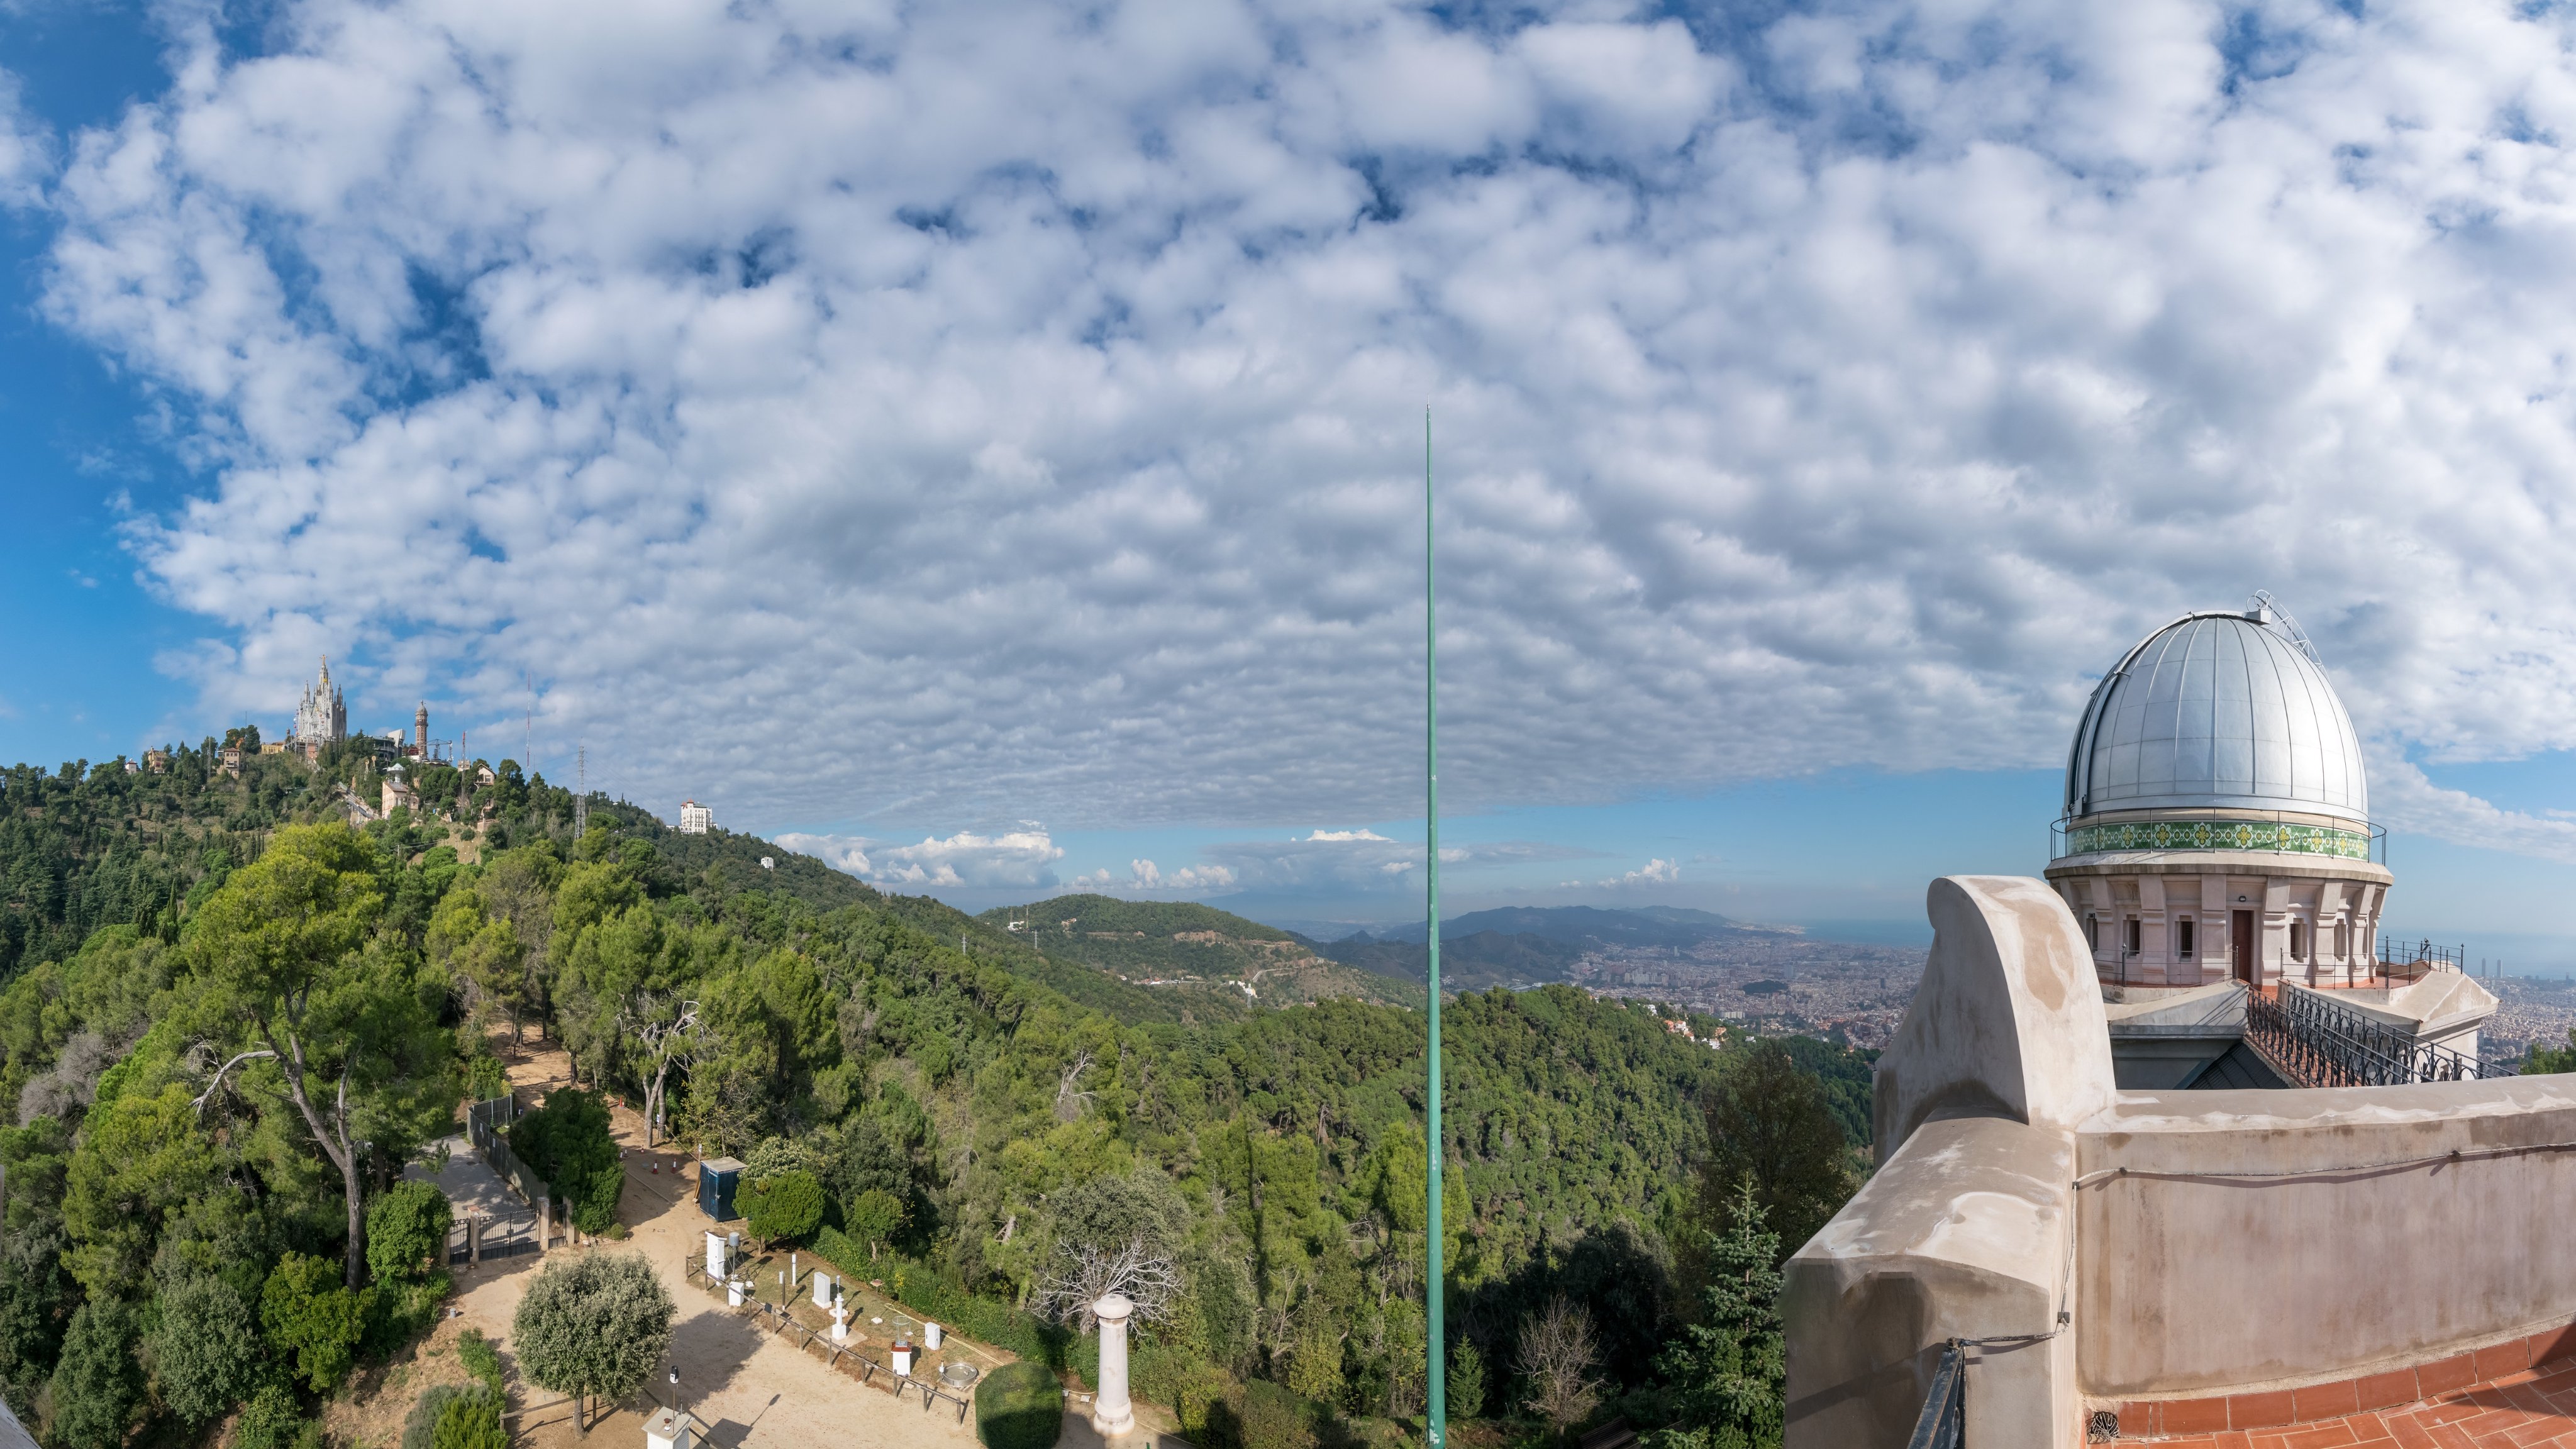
(987, 454)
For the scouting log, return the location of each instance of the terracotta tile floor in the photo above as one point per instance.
(2534, 1407)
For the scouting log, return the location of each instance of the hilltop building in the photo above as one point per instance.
(2140, 1115)
(696, 819)
(322, 718)
(397, 790)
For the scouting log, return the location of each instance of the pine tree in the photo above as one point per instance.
(1727, 1370)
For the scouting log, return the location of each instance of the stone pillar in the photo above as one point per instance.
(1112, 1412)
(474, 1240)
(545, 1224)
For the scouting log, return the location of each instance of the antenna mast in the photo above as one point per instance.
(1436, 1420)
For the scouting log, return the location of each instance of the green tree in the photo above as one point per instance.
(593, 1326)
(282, 938)
(36, 1299)
(569, 1144)
(98, 1386)
(205, 1351)
(139, 1157)
(876, 1215)
(1769, 1121)
(312, 1319)
(2538, 1060)
(785, 1205)
(1726, 1371)
(407, 1231)
(1466, 1378)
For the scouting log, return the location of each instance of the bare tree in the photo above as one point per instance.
(1558, 1354)
(1068, 1102)
(1088, 1274)
(666, 1038)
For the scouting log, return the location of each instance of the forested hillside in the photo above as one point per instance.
(982, 1106)
(1210, 964)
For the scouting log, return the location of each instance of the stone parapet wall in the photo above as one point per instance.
(2248, 1241)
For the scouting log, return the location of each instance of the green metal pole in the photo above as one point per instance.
(1433, 1287)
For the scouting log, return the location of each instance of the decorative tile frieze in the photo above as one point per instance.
(2278, 836)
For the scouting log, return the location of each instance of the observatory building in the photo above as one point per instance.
(2175, 1142)
(2217, 814)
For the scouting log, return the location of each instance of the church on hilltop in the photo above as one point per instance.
(321, 719)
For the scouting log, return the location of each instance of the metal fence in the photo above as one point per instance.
(502, 1238)
(484, 1124)
(2327, 1044)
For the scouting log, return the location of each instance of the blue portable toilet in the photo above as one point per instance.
(717, 1178)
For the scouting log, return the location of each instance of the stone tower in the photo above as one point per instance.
(420, 730)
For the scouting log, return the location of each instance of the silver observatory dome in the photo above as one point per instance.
(2218, 711)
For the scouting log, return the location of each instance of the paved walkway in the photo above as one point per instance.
(471, 1185)
(2519, 1411)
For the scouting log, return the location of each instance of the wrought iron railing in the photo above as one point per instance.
(2323, 1043)
(1943, 1423)
(2401, 955)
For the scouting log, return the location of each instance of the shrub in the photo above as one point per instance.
(787, 1205)
(422, 1421)
(942, 1299)
(407, 1231)
(205, 1353)
(1274, 1418)
(472, 1420)
(310, 1316)
(1019, 1406)
(272, 1421)
(567, 1142)
(481, 1357)
(398, 1312)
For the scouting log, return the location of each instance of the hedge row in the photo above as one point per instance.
(943, 1300)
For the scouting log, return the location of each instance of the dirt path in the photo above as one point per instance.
(747, 1388)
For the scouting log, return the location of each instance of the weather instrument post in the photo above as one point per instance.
(1436, 1420)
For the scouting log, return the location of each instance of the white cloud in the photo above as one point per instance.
(846, 853)
(1026, 405)
(964, 860)
(1655, 872)
(2403, 799)
(1362, 833)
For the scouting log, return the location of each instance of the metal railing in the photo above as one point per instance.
(2271, 832)
(1944, 1421)
(2323, 1043)
(2399, 956)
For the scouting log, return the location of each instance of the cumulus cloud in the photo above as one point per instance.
(1144, 875)
(964, 860)
(1028, 403)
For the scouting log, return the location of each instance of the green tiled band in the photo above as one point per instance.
(2272, 835)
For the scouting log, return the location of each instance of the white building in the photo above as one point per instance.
(322, 718)
(696, 819)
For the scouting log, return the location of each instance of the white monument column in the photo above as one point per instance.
(1112, 1412)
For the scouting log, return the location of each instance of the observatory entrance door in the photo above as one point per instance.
(2240, 944)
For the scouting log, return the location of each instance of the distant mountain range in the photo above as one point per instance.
(1511, 945)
